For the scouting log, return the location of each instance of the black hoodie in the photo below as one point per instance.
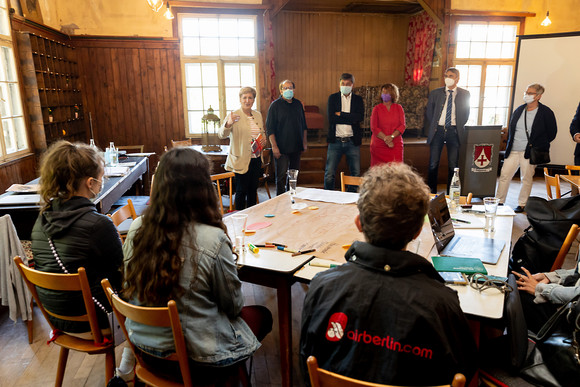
(82, 238)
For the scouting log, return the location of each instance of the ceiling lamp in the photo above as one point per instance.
(168, 15)
(155, 4)
(547, 20)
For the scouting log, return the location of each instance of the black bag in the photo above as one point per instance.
(550, 222)
(537, 156)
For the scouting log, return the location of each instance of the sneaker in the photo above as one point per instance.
(519, 209)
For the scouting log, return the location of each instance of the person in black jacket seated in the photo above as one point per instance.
(386, 316)
(70, 176)
(540, 124)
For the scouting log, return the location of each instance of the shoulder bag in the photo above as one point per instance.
(537, 156)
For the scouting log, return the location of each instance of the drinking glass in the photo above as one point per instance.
(490, 205)
(292, 180)
(240, 231)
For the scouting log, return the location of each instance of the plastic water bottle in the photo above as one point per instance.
(455, 189)
(114, 154)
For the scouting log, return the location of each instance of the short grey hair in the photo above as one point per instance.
(248, 90)
(536, 86)
(392, 205)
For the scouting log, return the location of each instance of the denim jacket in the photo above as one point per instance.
(210, 307)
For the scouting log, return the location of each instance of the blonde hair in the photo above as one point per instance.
(536, 86)
(63, 168)
(393, 203)
(248, 90)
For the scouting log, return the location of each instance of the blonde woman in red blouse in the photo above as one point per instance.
(387, 126)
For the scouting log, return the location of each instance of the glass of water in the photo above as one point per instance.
(292, 182)
(490, 205)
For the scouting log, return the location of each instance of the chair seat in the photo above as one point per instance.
(123, 228)
(82, 345)
(151, 379)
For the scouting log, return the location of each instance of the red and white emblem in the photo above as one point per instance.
(482, 155)
(336, 326)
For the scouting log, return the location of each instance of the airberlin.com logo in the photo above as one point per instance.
(337, 329)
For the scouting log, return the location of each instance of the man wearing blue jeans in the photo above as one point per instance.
(345, 112)
(287, 131)
(446, 114)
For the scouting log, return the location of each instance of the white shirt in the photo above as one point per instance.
(343, 130)
(444, 112)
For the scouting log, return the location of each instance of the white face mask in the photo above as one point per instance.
(449, 82)
(345, 89)
(528, 98)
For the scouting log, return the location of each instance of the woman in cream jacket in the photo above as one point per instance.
(245, 128)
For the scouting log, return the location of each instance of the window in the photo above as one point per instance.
(219, 56)
(485, 56)
(13, 140)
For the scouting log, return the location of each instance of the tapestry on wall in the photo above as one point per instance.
(420, 43)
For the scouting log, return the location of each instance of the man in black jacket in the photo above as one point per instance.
(575, 133)
(386, 316)
(536, 128)
(345, 112)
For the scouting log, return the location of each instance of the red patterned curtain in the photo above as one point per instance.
(420, 43)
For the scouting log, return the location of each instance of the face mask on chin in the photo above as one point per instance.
(528, 98)
(345, 89)
(449, 82)
(288, 94)
(95, 194)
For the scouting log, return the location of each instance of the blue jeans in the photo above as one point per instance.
(333, 156)
(282, 165)
(442, 137)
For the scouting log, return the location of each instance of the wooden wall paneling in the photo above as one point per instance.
(129, 106)
(120, 102)
(146, 108)
(18, 171)
(160, 108)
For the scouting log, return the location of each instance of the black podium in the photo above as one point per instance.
(478, 160)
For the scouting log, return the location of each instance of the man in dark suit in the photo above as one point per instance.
(575, 133)
(345, 112)
(446, 114)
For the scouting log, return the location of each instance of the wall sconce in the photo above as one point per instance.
(168, 15)
(155, 4)
(547, 20)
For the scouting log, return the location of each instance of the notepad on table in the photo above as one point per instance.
(459, 264)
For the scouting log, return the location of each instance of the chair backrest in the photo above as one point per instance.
(223, 176)
(156, 317)
(136, 148)
(462, 199)
(122, 214)
(62, 282)
(570, 238)
(571, 168)
(552, 181)
(323, 378)
(177, 143)
(349, 180)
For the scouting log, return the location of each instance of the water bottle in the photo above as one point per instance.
(92, 144)
(455, 189)
(114, 155)
(107, 157)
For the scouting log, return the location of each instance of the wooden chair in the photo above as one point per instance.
(266, 162)
(349, 180)
(70, 282)
(156, 317)
(135, 148)
(570, 238)
(121, 215)
(571, 168)
(323, 378)
(552, 181)
(177, 143)
(462, 199)
(218, 179)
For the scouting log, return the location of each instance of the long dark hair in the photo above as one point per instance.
(183, 195)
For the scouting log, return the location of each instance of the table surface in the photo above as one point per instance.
(222, 153)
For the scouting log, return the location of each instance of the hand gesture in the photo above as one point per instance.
(527, 282)
(276, 152)
(232, 118)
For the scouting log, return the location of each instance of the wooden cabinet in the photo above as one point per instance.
(59, 89)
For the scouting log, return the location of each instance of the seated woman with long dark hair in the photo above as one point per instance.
(179, 249)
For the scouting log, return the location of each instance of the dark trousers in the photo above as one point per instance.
(443, 136)
(282, 165)
(576, 160)
(536, 315)
(247, 185)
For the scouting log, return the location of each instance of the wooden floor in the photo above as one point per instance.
(34, 365)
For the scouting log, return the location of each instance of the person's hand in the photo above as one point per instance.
(337, 114)
(576, 137)
(305, 146)
(527, 282)
(232, 118)
(541, 278)
(276, 152)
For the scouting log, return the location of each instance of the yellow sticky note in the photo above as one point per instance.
(313, 208)
(346, 247)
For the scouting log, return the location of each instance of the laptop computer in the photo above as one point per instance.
(449, 244)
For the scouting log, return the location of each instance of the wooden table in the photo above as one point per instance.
(217, 158)
(24, 216)
(574, 181)
(327, 229)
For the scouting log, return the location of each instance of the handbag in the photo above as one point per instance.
(114, 325)
(537, 156)
(555, 359)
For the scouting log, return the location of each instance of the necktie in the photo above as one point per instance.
(448, 113)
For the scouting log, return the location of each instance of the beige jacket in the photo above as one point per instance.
(240, 140)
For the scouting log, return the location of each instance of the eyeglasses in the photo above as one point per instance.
(481, 282)
(287, 88)
(526, 93)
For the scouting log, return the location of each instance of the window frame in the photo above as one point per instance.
(7, 41)
(220, 61)
(484, 62)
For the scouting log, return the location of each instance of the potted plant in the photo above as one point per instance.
(50, 117)
(76, 109)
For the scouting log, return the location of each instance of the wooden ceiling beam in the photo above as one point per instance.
(431, 13)
(276, 6)
(202, 4)
(464, 12)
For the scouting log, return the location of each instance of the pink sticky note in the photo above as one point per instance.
(258, 226)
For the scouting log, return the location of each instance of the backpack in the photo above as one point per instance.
(550, 221)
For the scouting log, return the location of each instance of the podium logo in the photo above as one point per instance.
(336, 326)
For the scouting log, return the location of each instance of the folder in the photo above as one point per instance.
(459, 264)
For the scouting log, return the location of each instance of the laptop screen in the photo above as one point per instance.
(441, 223)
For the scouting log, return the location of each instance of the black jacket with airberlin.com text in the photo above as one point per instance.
(386, 316)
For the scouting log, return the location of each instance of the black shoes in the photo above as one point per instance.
(519, 209)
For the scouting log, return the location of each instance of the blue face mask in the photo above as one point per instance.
(288, 94)
(345, 89)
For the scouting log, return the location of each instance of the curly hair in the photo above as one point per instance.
(63, 168)
(182, 196)
(393, 203)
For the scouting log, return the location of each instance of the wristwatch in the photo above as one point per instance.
(393, 137)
